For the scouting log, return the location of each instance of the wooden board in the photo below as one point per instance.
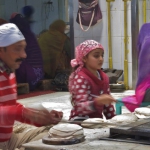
(51, 141)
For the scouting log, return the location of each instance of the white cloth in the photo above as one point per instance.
(18, 139)
(10, 34)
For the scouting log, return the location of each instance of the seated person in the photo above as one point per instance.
(28, 11)
(12, 48)
(89, 85)
(31, 69)
(142, 91)
(56, 49)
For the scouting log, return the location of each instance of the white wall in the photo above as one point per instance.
(99, 32)
(2, 8)
(7, 7)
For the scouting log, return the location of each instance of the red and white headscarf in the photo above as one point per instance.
(82, 50)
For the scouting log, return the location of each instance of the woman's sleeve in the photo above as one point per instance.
(83, 101)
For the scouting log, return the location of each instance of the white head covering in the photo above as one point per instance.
(10, 34)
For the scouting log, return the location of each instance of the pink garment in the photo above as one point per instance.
(139, 95)
(82, 50)
(143, 79)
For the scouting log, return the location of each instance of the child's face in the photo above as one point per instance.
(94, 60)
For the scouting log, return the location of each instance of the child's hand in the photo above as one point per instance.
(104, 99)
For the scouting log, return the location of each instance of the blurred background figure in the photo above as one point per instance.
(28, 12)
(31, 69)
(56, 49)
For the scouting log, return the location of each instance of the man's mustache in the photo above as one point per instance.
(19, 59)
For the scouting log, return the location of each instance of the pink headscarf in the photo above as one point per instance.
(82, 50)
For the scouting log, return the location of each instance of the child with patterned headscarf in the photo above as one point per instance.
(88, 84)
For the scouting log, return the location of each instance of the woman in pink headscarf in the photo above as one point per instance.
(89, 85)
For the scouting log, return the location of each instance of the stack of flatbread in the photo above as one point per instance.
(66, 131)
(142, 112)
(124, 118)
(93, 123)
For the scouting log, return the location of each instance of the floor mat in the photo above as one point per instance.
(34, 93)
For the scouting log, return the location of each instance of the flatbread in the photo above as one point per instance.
(57, 133)
(65, 130)
(66, 127)
(142, 111)
(92, 122)
(124, 118)
(140, 116)
(65, 138)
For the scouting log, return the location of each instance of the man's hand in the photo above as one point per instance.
(42, 117)
(104, 99)
(56, 116)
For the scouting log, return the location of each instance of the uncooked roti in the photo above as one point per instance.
(124, 118)
(92, 122)
(142, 111)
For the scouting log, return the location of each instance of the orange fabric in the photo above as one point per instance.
(2, 21)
